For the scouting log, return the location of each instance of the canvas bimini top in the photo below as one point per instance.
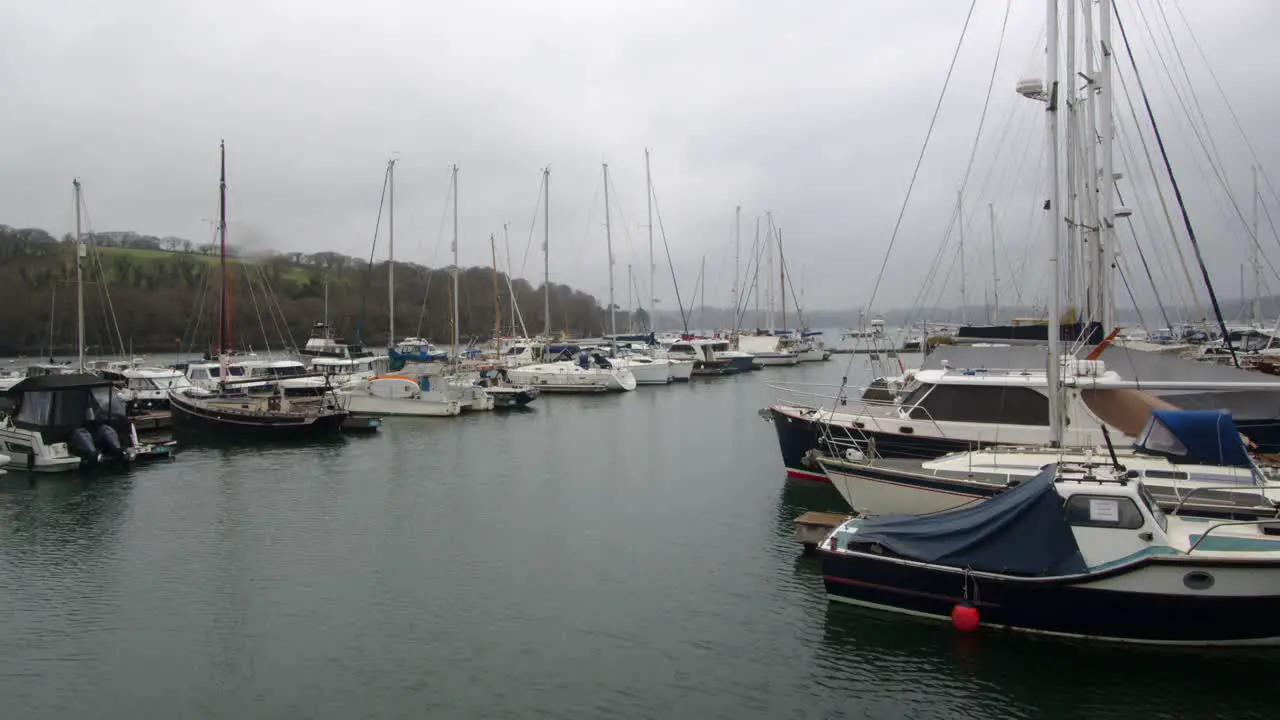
(1202, 437)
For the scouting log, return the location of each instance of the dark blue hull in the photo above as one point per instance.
(1076, 608)
(797, 436)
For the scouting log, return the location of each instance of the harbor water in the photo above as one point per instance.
(621, 556)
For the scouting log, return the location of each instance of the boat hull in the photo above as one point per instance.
(681, 370)
(512, 397)
(654, 373)
(427, 405)
(798, 436)
(1145, 601)
(189, 415)
(775, 359)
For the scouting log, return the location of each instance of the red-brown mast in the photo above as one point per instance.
(224, 325)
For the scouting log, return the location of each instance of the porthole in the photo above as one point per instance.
(1198, 580)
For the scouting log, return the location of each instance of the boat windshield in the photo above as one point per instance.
(1153, 506)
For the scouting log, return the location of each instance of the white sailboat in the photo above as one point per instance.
(405, 393)
(589, 373)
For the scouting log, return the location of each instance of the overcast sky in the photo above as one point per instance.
(814, 111)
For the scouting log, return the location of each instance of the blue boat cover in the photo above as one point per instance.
(1021, 531)
(1203, 437)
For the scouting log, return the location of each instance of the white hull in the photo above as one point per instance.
(681, 370)
(776, 359)
(645, 370)
(816, 354)
(426, 405)
(883, 497)
(22, 444)
(569, 377)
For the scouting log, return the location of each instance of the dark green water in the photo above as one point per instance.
(624, 556)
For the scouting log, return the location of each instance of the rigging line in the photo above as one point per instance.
(1134, 168)
(933, 121)
(986, 102)
(1186, 219)
(1235, 118)
(1210, 154)
(1125, 278)
(206, 282)
(1164, 203)
(533, 223)
(1195, 98)
(1147, 268)
(684, 320)
(364, 285)
(103, 290)
(435, 254)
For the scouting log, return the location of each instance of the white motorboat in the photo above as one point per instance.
(148, 387)
(767, 350)
(594, 375)
(342, 371)
(470, 396)
(400, 395)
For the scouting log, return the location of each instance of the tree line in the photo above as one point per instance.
(147, 294)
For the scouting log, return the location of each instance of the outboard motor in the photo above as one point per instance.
(81, 445)
(109, 442)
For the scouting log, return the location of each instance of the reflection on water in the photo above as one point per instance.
(598, 556)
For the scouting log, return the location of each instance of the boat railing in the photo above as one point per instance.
(1226, 523)
(851, 393)
(1235, 489)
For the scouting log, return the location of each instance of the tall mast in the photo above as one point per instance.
(546, 252)
(224, 324)
(653, 291)
(1056, 221)
(755, 282)
(497, 297)
(326, 301)
(81, 252)
(608, 238)
(964, 289)
(1092, 177)
(1257, 270)
(455, 264)
(702, 319)
(995, 268)
(768, 248)
(737, 232)
(1071, 201)
(1105, 96)
(511, 291)
(391, 252)
(782, 278)
(631, 305)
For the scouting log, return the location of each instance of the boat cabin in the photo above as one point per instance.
(59, 407)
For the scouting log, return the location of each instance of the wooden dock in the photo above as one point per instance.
(812, 528)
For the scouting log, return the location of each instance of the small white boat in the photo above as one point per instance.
(342, 371)
(570, 376)
(148, 387)
(399, 395)
(768, 350)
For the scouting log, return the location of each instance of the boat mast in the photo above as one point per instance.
(1257, 270)
(1105, 97)
(964, 290)
(546, 252)
(782, 279)
(1055, 221)
(755, 282)
(768, 248)
(455, 265)
(608, 238)
(224, 324)
(653, 291)
(702, 319)
(81, 252)
(497, 297)
(737, 232)
(631, 304)
(511, 291)
(995, 268)
(391, 251)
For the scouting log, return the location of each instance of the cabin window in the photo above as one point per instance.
(1165, 474)
(971, 403)
(200, 374)
(1106, 511)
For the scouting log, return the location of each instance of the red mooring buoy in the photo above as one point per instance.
(964, 617)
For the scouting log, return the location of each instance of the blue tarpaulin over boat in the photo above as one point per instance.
(1021, 531)
(1203, 437)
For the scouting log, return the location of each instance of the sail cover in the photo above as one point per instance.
(1021, 531)
(1204, 437)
